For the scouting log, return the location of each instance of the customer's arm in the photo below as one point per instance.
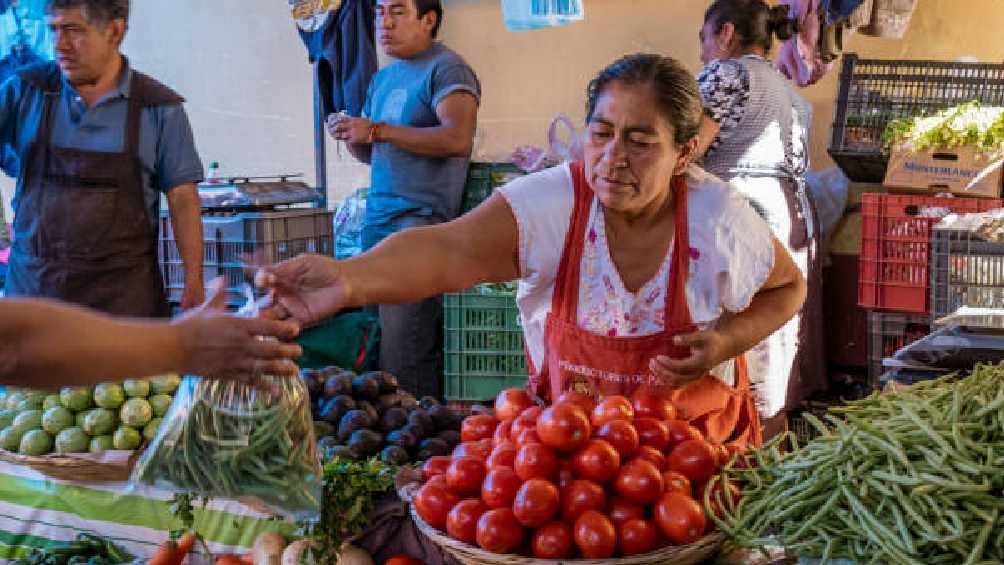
(186, 222)
(48, 344)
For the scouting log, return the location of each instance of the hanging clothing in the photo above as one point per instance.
(83, 231)
(890, 18)
(799, 58)
(837, 11)
(343, 46)
(712, 268)
(764, 154)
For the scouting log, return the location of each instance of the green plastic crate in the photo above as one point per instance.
(483, 343)
(483, 178)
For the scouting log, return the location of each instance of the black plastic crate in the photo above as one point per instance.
(888, 332)
(965, 271)
(872, 92)
(233, 241)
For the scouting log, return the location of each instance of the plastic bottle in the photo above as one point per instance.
(213, 175)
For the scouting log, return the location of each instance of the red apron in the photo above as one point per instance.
(580, 360)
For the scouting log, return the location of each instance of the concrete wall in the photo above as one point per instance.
(243, 69)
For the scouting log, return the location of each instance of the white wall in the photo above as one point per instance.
(244, 71)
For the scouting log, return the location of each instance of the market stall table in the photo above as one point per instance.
(38, 511)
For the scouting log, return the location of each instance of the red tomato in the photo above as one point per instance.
(439, 481)
(433, 504)
(500, 487)
(673, 481)
(612, 408)
(527, 436)
(536, 461)
(462, 521)
(502, 432)
(563, 427)
(403, 560)
(621, 510)
(650, 404)
(537, 503)
(595, 535)
(511, 402)
(581, 495)
(553, 541)
(478, 427)
(581, 400)
(680, 431)
(532, 412)
(680, 518)
(652, 455)
(436, 465)
(652, 432)
(694, 459)
(499, 532)
(639, 481)
(465, 475)
(719, 497)
(521, 424)
(477, 449)
(504, 455)
(620, 434)
(565, 472)
(637, 536)
(598, 461)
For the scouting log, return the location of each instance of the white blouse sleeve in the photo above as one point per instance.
(542, 204)
(745, 253)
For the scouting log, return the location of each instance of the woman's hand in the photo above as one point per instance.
(213, 343)
(305, 289)
(708, 349)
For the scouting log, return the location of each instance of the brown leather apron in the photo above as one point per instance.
(83, 232)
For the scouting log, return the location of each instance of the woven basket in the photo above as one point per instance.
(697, 552)
(107, 466)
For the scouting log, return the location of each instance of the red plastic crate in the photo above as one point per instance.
(895, 248)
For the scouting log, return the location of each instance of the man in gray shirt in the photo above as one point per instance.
(417, 132)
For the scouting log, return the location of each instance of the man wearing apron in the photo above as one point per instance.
(97, 144)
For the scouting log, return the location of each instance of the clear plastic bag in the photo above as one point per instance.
(229, 439)
(349, 220)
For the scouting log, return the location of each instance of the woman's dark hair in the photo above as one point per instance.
(675, 89)
(755, 22)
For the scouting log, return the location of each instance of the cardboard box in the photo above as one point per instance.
(943, 170)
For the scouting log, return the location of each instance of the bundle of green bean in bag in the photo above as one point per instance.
(230, 439)
(914, 476)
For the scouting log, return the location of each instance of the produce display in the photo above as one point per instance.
(119, 415)
(914, 476)
(86, 550)
(359, 416)
(966, 124)
(577, 478)
(230, 439)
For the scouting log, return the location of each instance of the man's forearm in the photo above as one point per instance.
(441, 141)
(186, 222)
(47, 343)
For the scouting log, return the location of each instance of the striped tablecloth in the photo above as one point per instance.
(37, 511)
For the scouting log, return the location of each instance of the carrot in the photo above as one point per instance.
(173, 552)
(229, 559)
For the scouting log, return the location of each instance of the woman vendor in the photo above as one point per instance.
(755, 134)
(635, 267)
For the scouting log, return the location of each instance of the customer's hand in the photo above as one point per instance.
(215, 344)
(708, 349)
(347, 128)
(305, 289)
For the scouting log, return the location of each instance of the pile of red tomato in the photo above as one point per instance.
(578, 478)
